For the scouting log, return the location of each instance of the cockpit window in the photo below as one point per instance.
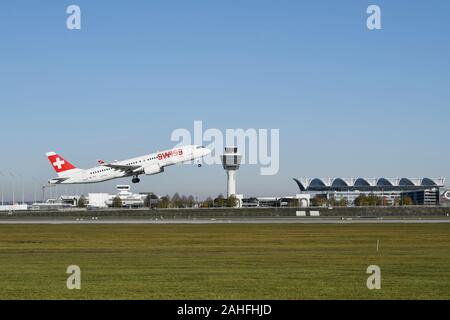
(200, 147)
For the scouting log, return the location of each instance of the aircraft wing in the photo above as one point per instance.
(122, 167)
(59, 180)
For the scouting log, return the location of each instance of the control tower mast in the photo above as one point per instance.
(231, 161)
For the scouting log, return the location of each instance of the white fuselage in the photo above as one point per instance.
(146, 165)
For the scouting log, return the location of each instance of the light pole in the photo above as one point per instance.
(12, 188)
(43, 191)
(23, 188)
(35, 188)
(1, 174)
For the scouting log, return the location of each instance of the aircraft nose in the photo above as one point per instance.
(206, 152)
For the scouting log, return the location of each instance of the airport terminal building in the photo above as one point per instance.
(422, 191)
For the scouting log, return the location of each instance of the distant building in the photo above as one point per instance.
(250, 203)
(98, 200)
(300, 200)
(63, 202)
(15, 207)
(422, 191)
(129, 199)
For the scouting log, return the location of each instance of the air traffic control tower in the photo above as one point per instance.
(231, 161)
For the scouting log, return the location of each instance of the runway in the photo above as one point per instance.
(269, 220)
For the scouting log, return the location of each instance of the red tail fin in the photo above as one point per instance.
(59, 163)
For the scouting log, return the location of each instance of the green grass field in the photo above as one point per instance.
(225, 261)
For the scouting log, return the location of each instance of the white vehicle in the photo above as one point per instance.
(146, 165)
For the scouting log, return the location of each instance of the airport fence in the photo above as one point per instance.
(411, 211)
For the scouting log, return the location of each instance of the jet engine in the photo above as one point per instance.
(153, 169)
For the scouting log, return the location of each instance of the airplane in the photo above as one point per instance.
(151, 164)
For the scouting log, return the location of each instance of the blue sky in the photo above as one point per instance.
(348, 101)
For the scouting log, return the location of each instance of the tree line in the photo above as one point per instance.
(176, 201)
(361, 201)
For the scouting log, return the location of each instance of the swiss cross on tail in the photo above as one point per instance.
(59, 163)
